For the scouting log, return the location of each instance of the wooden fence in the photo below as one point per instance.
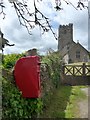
(75, 74)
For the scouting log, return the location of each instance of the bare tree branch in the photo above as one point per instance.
(81, 5)
(30, 20)
(2, 9)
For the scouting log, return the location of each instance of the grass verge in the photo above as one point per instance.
(63, 103)
(77, 95)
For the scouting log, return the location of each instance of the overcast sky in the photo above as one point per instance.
(18, 35)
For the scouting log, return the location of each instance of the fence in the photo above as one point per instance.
(75, 74)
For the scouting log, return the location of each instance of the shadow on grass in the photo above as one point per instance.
(58, 102)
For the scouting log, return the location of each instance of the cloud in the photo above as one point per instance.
(89, 26)
(17, 34)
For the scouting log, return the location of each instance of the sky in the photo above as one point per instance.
(18, 35)
(89, 26)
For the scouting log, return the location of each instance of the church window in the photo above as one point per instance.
(77, 54)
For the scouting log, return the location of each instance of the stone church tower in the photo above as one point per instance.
(69, 50)
(65, 36)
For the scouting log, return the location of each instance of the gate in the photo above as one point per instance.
(75, 74)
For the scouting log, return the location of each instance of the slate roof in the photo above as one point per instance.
(73, 44)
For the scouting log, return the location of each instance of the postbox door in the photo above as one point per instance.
(27, 76)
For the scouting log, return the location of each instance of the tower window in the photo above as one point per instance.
(67, 47)
(77, 54)
(65, 31)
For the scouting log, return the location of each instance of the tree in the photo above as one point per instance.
(4, 42)
(30, 20)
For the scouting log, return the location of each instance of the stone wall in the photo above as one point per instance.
(75, 80)
(8, 74)
(46, 82)
(84, 54)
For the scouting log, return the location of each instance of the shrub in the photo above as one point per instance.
(15, 106)
(54, 62)
(10, 60)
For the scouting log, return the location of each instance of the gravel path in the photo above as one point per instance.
(83, 105)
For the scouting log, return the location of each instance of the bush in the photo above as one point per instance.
(10, 60)
(54, 62)
(15, 106)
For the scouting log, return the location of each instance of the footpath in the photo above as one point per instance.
(84, 104)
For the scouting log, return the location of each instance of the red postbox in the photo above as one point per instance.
(27, 76)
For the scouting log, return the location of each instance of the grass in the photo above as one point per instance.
(63, 102)
(72, 110)
(58, 103)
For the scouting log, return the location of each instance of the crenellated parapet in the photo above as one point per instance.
(65, 35)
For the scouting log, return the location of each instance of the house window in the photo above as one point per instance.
(77, 54)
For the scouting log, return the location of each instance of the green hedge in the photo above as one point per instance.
(15, 106)
(54, 62)
(10, 60)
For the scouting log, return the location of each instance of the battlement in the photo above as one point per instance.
(70, 25)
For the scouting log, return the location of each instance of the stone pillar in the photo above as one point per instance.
(31, 52)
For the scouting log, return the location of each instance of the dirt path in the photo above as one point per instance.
(83, 105)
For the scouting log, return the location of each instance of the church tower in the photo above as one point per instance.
(65, 36)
